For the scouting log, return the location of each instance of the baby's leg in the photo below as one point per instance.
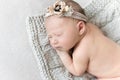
(116, 78)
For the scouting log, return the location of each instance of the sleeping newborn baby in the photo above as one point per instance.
(93, 52)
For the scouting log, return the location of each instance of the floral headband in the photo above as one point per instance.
(60, 8)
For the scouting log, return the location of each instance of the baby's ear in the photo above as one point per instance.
(81, 27)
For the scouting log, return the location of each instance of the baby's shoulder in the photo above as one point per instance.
(80, 55)
(84, 48)
(80, 51)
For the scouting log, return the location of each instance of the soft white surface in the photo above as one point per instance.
(16, 59)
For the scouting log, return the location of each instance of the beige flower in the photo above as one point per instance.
(59, 8)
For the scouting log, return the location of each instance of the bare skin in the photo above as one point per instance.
(93, 52)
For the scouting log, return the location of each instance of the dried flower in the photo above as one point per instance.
(59, 8)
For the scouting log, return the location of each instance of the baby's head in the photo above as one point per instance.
(65, 23)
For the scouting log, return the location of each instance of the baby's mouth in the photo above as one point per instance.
(58, 48)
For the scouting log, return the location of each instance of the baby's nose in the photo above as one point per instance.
(54, 42)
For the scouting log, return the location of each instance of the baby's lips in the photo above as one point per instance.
(58, 48)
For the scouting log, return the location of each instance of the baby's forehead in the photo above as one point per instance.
(57, 22)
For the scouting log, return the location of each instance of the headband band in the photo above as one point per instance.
(60, 8)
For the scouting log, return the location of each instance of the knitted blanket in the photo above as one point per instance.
(103, 13)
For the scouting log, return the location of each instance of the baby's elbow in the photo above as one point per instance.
(77, 75)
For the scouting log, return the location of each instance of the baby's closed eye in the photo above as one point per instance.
(59, 33)
(55, 35)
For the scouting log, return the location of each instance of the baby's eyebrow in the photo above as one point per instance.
(59, 33)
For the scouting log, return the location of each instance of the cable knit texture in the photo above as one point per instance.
(103, 13)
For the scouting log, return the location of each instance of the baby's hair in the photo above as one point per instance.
(75, 6)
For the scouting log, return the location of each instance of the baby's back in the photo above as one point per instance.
(105, 57)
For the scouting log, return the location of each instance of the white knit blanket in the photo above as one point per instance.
(103, 13)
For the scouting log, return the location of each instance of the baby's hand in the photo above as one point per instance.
(60, 52)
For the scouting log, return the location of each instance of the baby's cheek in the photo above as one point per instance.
(66, 43)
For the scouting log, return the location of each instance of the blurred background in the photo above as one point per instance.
(17, 61)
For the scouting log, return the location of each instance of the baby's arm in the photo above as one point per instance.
(77, 66)
(116, 78)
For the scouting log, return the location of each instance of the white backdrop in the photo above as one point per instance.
(16, 59)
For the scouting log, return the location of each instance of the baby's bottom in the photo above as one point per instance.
(116, 78)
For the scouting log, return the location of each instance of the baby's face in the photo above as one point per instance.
(62, 33)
